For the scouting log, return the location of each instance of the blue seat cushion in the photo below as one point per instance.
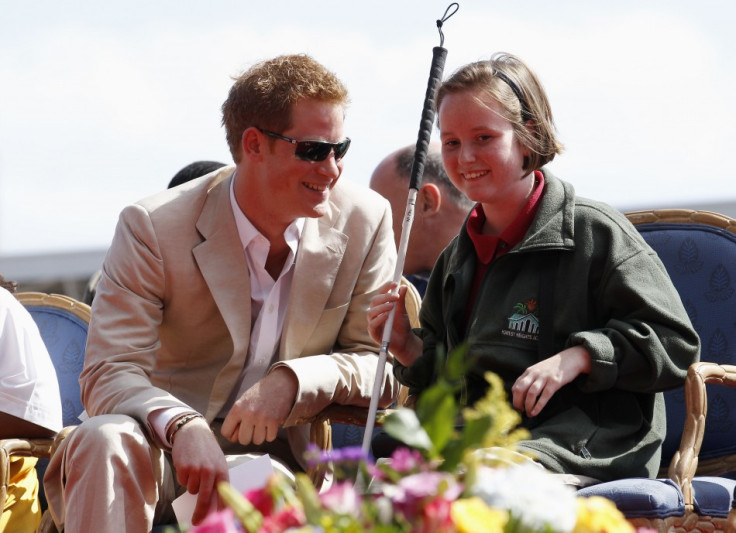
(713, 495)
(661, 498)
(641, 497)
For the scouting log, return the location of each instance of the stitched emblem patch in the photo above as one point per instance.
(524, 322)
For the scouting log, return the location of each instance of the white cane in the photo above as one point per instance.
(417, 171)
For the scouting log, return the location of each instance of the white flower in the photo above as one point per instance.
(534, 497)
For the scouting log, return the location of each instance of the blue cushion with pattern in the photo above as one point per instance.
(65, 337)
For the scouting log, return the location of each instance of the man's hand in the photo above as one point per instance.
(259, 413)
(534, 388)
(200, 466)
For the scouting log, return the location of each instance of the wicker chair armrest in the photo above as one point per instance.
(60, 436)
(684, 463)
(347, 414)
(38, 447)
(343, 414)
(320, 433)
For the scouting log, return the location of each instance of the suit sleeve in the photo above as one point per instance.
(123, 333)
(647, 342)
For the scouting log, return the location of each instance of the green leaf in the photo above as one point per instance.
(309, 498)
(452, 455)
(437, 411)
(455, 365)
(471, 437)
(404, 425)
(475, 430)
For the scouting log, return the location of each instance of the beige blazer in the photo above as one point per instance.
(171, 318)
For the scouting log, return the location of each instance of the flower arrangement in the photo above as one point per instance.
(451, 478)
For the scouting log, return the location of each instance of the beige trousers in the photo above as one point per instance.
(108, 476)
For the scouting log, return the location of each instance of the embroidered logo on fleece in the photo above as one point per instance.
(524, 322)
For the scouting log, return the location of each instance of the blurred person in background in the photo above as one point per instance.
(30, 406)
(439, 212)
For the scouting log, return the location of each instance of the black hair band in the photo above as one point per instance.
(525, 114)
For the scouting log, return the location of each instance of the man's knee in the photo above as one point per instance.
(106, 435)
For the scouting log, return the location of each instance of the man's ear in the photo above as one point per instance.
(430, 199)
(252, 143)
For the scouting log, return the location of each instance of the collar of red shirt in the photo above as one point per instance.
(489, 246)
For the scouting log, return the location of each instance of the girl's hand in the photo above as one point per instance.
(534, 388)
(403, 344)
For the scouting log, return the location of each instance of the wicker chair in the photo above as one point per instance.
(698, 249)
(62, 322)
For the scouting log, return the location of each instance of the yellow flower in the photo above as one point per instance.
(472, 515)
(505, 420)
(600, 515)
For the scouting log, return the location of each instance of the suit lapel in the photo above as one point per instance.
(221, 260)
(318, 259)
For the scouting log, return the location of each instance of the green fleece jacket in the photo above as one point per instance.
(605, 289)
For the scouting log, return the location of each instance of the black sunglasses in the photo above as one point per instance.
(313, 150)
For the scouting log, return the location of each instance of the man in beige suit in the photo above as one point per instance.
(228, 308)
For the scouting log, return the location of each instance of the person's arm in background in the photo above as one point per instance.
(30, 404)
(13, 427)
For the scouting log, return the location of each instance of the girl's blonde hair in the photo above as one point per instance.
(508, 80)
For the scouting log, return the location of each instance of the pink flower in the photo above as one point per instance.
(283, 520)
(425, 484)
(436, 517)
(261, 500)
(218, 522)
(341, 498)
(405, 460)
(375, 472)
(413, 491)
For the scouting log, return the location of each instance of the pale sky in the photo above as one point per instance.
(102, 102)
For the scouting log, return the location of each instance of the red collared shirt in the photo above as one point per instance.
(488, 247)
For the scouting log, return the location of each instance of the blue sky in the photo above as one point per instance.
(102, 102)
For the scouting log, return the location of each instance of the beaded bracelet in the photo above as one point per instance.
(180, 423)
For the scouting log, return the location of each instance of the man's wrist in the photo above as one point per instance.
(179, 422)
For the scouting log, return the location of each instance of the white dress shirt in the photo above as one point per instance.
(268, 298)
